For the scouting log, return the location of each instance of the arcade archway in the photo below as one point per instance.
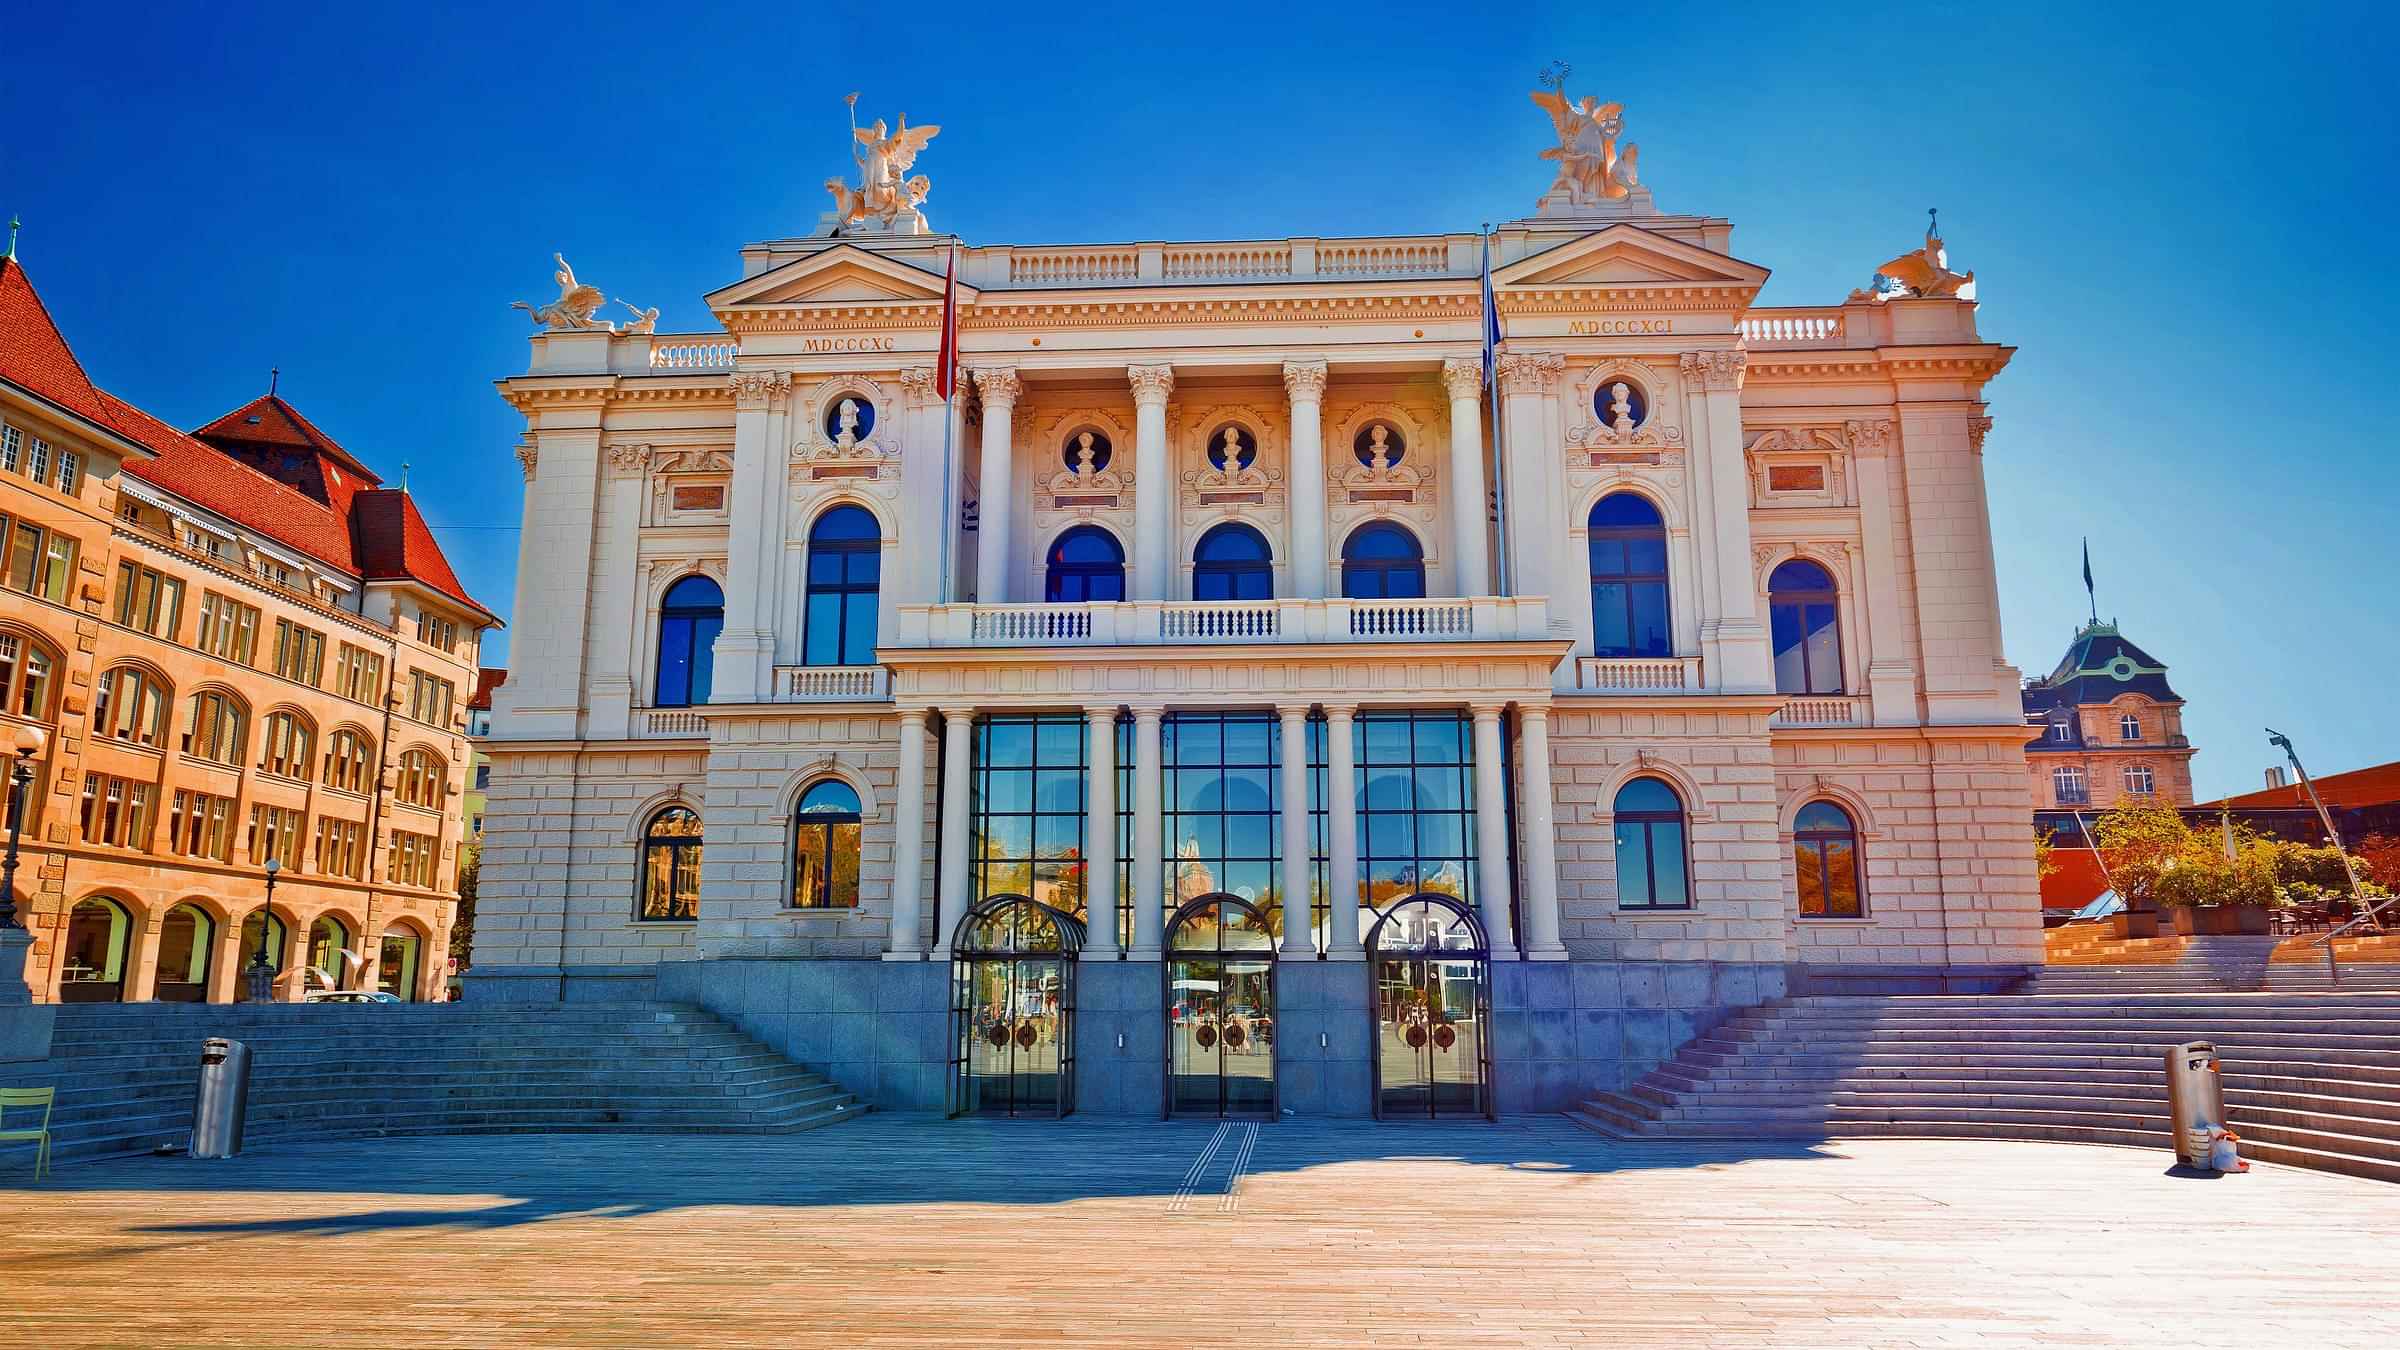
(1012, 1009)
(1220, 1009)
(1431, 969)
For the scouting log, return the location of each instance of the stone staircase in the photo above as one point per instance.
(2206, 965)
(2311, 1079)
(125, 1073)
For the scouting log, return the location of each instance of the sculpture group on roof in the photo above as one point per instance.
(577, 303)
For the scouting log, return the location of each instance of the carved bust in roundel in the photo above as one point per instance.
(1232, 454)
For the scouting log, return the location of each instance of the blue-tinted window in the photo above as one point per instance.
(1628, 543)
(1085, 563)
(1653, 867)
(845, 567)
(1232, 562)
(689, 619)
(1803, 619)
(1382, 561)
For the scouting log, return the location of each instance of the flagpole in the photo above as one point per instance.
(947, 378)
(1491, 377)
(949, 512)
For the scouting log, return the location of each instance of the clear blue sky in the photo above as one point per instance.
(2175, 215)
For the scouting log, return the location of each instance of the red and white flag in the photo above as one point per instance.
(945, 372)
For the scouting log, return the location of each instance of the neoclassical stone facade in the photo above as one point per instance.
(1670, 653)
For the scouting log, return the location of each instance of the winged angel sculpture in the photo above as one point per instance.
(1592, 166)
(574, 307)
(883, 155)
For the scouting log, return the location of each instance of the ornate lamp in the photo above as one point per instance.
(20, 777)
(262, 970)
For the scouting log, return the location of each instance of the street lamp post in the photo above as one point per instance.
(262, 971)
(20, 777)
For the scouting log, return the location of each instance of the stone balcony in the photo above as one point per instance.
(1152, 623)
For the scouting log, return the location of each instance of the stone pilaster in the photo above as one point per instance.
(1154, 484)
(745, 651)
(1471, 563)
(1304, 382)
(994, 516)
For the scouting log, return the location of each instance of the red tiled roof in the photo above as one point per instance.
(205, 476)
(2375, 785)
(394, 544)
(268, 420)
(487, 679)
(34, 355)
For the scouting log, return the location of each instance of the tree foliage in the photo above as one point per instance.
(2155, 857)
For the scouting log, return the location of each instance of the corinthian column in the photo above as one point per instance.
(999, 388)
(1534, 485)
(1471, 561)
(1154, 483)
(1305, 382)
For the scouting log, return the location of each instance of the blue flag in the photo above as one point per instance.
(2088, 592)
(1491, 322)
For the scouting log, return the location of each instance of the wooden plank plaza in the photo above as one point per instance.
(908, 1230)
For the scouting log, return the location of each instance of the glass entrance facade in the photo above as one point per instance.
(1431, 968)
(1220, 1001)
(1012, 1009)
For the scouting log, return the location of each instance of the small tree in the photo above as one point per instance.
(462, 928)
(2141, 841)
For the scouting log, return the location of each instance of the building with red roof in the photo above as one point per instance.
(239, 649)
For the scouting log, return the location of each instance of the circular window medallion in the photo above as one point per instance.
(1379, 440)
(1621, 405)
(1232, 447)
(2120, 669)
(1086, 451)
(849, 420)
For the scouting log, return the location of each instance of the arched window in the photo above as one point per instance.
(845, 566)
(129, 704)
(400, 956)
(1628, 541)
(331, 958)
(424, 776)
(25, 669)
(1085, 563)
(670, 879)
(347, 757)
(1652, 869)
(2129, 727)
(1803, 616)
(277, 942)
(186, 939)
(689, 619)
(1825, 862)
(98, 945)
(1382, 561)
(290, 745)
(220, 728)
(1232, 562)
(825, 847)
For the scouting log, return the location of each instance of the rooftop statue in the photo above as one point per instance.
(1593, 168)
(1923, 274)
(884, 202)
(573, 308)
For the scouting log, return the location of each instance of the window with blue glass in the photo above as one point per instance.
(1233, 562)
(1029, 809)
(1222, 799)
(1416, 806)
(845, 568)
(826, 846)
(1628, 541)
(1382, 561)
(1085, 563)
(689, 619)
(1804, 619)
(1653, 866)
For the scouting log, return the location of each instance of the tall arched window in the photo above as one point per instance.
(689, 619)
(1233, 562)
(1825, 862)
(1803, 616)
(98, 946)
(1628, 541)
(1085, 563)
(288, 746)
(1382, 561)
(424, 776)
(1653, 871)
(186, 939)
(348, 754)
(825, 847)
(129, 704)
(220, 728)
(670, 881)
(845, 566)
(25, 669)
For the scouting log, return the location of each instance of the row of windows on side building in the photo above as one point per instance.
(1631, 610)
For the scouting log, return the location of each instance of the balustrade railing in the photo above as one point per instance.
(1152, 622)
(1216, 263)
(1794, 328)
(702, 354)
(1821, 712)
(673, 722)
(1413, 258)
(809, 684)
(1072, 267)
(1639, 675)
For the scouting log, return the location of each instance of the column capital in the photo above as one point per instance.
(999, 385)
(1343, 712)
(1487, 712)
(1148, 712)
(1304, 380)
(1715, 370)
(1102, 713)
(757, 389)
(1463, 378)
(914, 716)
(1869, 437)
(1151, 384)
(916, 383)
(1531, 372)
(1533, 713)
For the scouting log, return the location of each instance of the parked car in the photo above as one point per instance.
(350, 996)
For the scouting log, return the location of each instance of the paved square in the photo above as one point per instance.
(894, 1230)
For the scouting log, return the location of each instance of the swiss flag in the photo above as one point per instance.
(945, 373)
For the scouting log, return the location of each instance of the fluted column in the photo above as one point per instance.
(957, 753)
(1343, 942)
(999, 387)
(1149, 839)
(1305, 485)
(907, 942)
(1100, 833)
(1491, 832)
(1541, 846)
(1153, 484)
(1470, 554)
(1299, 927)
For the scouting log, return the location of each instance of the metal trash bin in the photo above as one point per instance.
(223, 1099)
(2195, 1100)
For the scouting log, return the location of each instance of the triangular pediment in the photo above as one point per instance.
(1627, 255)
(841, 275)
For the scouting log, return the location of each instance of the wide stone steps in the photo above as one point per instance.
(2311, 1079)
(126, 1075)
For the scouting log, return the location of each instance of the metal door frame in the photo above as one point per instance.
(1218, 955)
(1479, 955)
(971, 947)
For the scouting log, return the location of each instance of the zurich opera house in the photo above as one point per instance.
(1418, 675)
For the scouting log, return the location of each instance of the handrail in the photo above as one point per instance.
(2333, 969)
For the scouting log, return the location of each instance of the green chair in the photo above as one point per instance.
(29, 1097)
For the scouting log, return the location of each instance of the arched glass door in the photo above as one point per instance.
(1220, 1008)
(99, 940)
(1012, 1009)
(1431, 968)
(329, 955)
(398, 962)
(187, 939)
